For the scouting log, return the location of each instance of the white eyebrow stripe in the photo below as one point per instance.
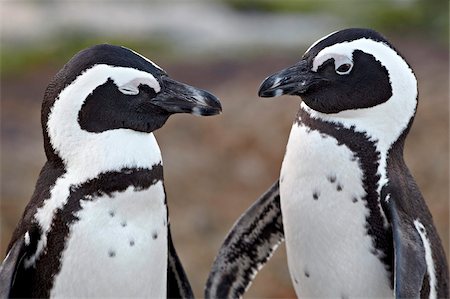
(124, 76)
(132, 87)
(338, 60)
(341, 49)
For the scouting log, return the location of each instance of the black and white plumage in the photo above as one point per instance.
(354, 220)
(97, 224)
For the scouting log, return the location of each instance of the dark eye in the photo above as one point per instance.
(344, 69)
(148, 90)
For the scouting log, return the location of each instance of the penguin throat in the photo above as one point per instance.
(86, 155)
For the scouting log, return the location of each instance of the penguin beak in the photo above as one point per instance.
(294, 80)
(177, 97)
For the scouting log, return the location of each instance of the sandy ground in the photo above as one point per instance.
(216, 167)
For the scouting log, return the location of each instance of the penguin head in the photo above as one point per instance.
(105, 89)
(350, 74)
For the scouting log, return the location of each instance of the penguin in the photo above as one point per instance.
(97, 224)
(353, 218)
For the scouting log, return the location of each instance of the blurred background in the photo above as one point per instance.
(216, 167)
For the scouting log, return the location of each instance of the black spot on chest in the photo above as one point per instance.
(316, 195)
(332, 178)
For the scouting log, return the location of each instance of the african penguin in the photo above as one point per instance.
(353, 218)
(97, 223)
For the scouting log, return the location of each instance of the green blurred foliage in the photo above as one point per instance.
(428, 17)
(13, 60)
(274, 6)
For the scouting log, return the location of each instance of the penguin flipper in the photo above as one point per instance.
(409, 254)
(10, 266)
(178, 285)
(247, 247)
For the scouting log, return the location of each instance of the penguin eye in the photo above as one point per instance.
(148, 90)
(344, 69)
(133, 87)
(128, 90)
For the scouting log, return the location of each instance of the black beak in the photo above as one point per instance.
(176, 97)
(292, 80)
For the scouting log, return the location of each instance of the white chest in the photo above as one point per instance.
(324, 216)
(118, 248)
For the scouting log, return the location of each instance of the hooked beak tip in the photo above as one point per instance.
(293, 80)
(269, 87)
(178, 97)
(208, 105)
